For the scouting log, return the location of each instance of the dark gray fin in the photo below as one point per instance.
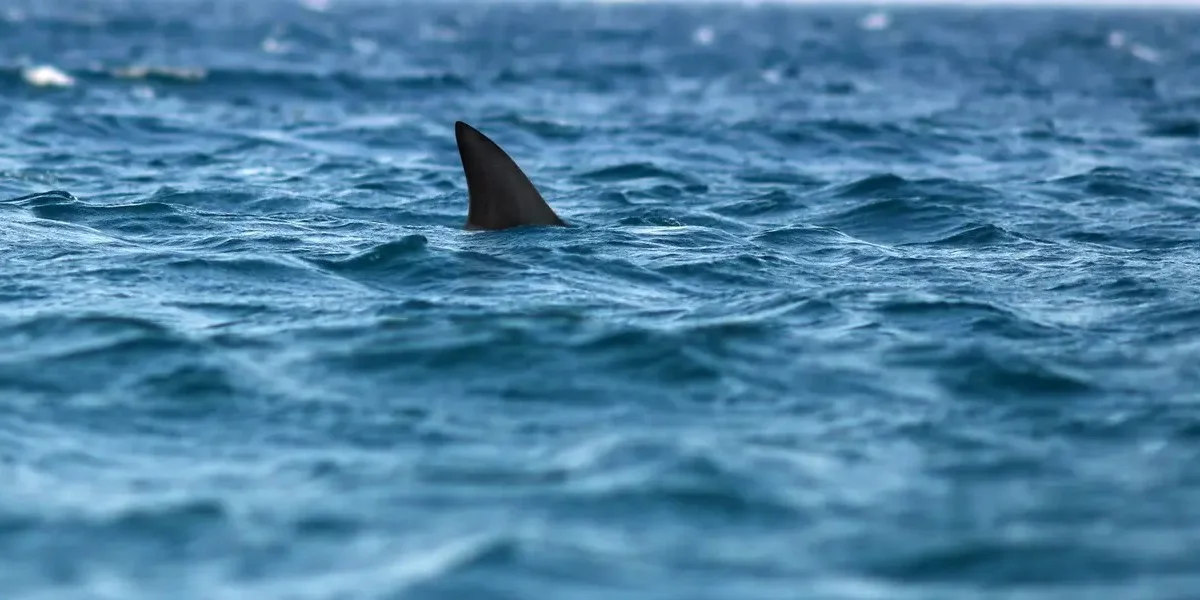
(500, 194)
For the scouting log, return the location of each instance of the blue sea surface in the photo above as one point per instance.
(855, 303)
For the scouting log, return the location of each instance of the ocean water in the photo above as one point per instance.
(855, 304)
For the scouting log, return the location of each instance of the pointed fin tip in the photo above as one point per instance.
(500, 195)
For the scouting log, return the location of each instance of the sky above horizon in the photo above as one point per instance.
(884, 3)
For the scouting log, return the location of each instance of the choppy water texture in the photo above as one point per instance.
(894, 305)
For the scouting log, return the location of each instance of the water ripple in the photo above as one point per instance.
(872, 303)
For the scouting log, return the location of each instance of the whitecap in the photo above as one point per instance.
(1145, 53)
(876, 21)
(47, 76)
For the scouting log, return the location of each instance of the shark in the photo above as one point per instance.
(499, 194)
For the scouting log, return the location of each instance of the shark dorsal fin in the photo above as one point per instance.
(500, 195)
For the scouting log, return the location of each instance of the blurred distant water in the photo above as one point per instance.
(857, 304)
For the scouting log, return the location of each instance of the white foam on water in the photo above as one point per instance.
(47, 76)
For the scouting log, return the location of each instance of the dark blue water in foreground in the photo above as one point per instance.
(856, 305)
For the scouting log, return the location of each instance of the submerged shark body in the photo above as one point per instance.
(500, 195)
